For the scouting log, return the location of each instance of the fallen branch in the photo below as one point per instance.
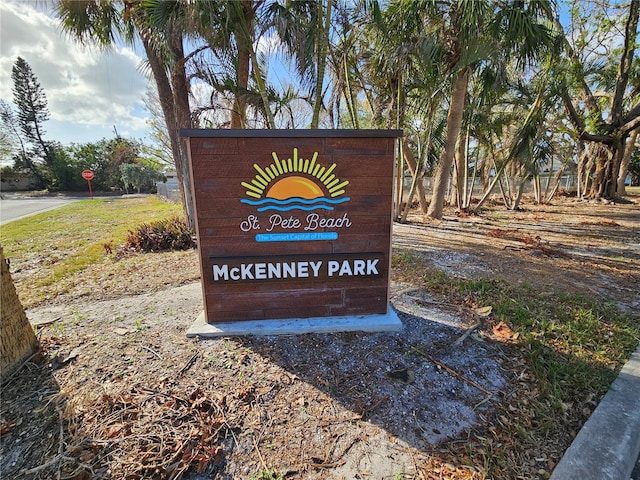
(465, 335)
(452, 371)
(151, 350)
(189, 364)
(50, 463)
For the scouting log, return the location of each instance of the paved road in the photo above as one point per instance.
(15, 208)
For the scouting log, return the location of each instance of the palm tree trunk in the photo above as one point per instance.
(516, 203)
(416, 170)
(180, 88)
(492, 185)
(459, 173)
(626, 159)
(454, 124)
(165, 95)
(323, 40)
(239, 112)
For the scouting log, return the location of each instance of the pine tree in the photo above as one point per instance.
(31, 102)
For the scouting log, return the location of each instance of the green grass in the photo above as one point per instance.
(574, 344)
(72, 238)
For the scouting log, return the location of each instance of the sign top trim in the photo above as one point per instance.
(286, 133)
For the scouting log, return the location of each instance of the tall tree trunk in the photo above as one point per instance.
(516, 203)
(626, 159)
(165, 95)
(416, 181)
(416, 172)
(454, 124)
(239, 112)
(459, 174)
(321, 49)
(180, 88)
(616, 161)
(602, 175)
(496, 181)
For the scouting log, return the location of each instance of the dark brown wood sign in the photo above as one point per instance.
(293, 223)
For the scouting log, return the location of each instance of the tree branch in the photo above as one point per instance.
(625, 62)
(630, 125)
(589, 98)
(592, 137)
(632, 114)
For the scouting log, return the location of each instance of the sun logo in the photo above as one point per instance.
(295, 184)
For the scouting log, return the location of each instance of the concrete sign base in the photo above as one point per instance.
(389, 322)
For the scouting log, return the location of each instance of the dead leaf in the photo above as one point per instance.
(483, 312)
(5, 428)
(122, 331)
(502, 331)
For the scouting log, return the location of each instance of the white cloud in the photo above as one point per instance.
(88, 90)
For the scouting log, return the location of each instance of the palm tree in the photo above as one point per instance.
(303, 27)
(104, 23)
(474, 32)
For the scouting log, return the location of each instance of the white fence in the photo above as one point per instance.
(169, 190)
(568, 183)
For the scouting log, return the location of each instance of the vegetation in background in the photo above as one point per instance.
(56, 167)
(35, 154)
(397, 64)
(68, 240)
(167, 234)
(138, 175)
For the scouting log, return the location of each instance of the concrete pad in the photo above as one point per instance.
(608, 444)
(389, 322)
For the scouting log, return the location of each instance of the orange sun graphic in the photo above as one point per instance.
(294, 185)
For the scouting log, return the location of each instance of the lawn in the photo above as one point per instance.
(544, 297)
(57, 246)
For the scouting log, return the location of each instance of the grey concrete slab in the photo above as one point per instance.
(607, 446)
(389, 322)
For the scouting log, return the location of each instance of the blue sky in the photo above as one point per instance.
(88, 91)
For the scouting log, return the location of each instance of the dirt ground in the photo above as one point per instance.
(118, 391)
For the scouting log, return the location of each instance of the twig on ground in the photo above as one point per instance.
(8, 380)
(50, 463)
(465, 335)
(60, 440)
(151, 350)
(404, 291)
(452, 371)
(44, 323)
(189, 364)
(264, 465)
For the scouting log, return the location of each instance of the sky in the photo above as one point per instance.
(90, 93)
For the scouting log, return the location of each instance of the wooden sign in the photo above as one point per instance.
(293, 223)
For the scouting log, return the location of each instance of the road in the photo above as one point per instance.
(16, 208)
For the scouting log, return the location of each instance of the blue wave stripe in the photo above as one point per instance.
(294, 207)
(304, 201)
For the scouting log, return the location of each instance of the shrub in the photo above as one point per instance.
(169, 234)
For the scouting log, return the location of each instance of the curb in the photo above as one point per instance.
(608, 444)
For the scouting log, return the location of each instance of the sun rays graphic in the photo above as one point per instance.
(295, 184)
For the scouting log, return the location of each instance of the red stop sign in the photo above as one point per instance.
(87, 174)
